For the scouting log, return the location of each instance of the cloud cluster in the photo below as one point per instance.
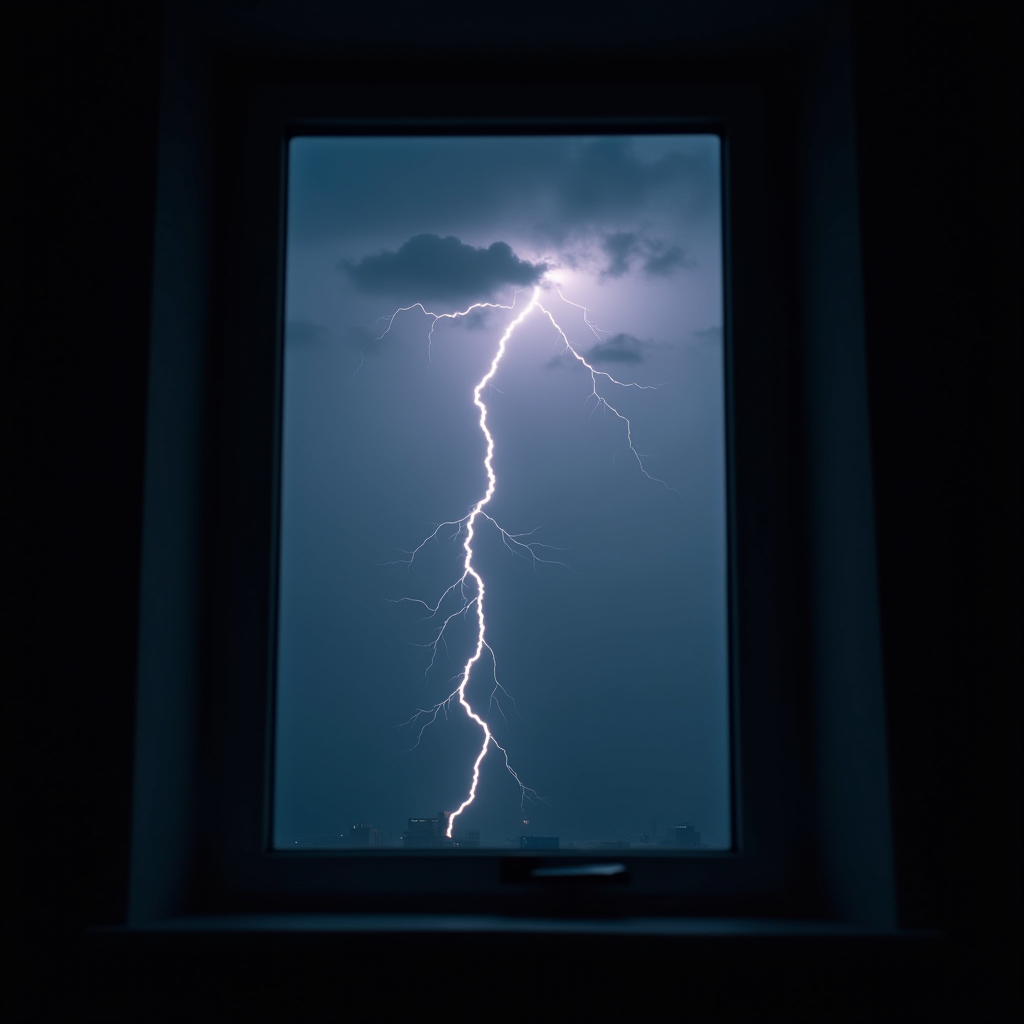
(430, 267)
(626, 249)
(560, 192)
(607, 177)
(618, 348)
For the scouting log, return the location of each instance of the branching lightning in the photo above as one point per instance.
(468, 590)
(434, 317)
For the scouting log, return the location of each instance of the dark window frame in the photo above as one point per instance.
(706, 881)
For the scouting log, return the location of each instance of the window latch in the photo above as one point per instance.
(580, 871)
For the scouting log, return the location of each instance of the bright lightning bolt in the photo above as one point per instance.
(470, 585)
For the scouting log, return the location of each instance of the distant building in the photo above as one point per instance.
(615, 844)
(470, 840)
(426, 833)
(538, 842)
(324, 841)
(365, 837)
(684, 836)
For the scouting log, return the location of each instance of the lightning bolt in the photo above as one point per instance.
(469, 586)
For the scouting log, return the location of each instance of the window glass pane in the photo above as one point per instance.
(559, 300)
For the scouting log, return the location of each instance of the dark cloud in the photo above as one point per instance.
(657, 258)
(620, 247)
(562, 187)
(663, 258)
(619, 348)
(606, 177)
(428, 266)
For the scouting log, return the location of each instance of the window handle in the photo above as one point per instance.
(581, 871)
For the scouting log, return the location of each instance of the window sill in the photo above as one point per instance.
(481, 924)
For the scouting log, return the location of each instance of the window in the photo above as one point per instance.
(503, 369)
(272, 461)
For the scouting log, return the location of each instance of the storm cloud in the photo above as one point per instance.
(551, 192)
(621, 248)
(618, 348)
(606, 176)
(661, 259)
(656, 257)
(442, 268)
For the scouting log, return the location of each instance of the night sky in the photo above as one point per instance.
(616, 659)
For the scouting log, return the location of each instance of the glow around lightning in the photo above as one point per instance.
(470, 585)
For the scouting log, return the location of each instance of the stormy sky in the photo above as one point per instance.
(613, 652)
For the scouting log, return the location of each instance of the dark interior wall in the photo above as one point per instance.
(179, 443)
(937, 118)
(844, 644)
(938, 122)
(80, 117)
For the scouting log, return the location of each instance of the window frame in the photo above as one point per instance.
(760, 873)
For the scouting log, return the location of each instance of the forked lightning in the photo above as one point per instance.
(469, 587)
